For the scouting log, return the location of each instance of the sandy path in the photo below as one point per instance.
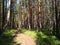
(23, 39)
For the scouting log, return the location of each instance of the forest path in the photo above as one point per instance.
(23, 39)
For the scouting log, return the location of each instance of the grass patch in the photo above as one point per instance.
(31, 33)
(7, 38)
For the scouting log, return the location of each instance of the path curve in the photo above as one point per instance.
(23, 39)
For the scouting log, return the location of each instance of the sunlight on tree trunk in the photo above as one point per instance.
(8, 14)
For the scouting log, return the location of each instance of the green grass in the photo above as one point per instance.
(7, 38)
(31, 33)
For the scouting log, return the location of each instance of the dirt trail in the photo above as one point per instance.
(23, 39)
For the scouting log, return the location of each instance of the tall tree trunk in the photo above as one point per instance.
(20, 15)
(1, 12)
(29, 15)
(8, 13)
(57, 19)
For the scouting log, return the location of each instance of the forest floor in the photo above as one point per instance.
(27, 37)
(23, 39)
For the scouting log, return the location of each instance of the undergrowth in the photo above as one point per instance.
(40, 37)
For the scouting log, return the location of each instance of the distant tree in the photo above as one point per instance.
(19, 15)
(12, 13)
